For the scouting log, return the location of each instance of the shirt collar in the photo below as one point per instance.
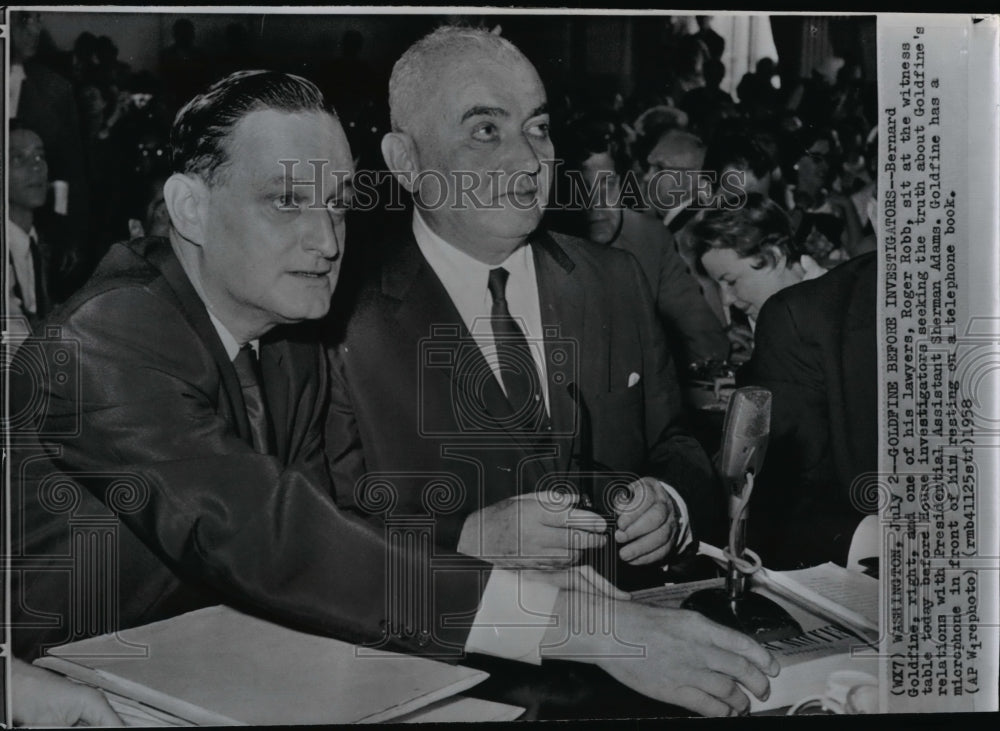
(19, 241)
(452, 265)
(675, 212)
(229, 342)
(464, 277)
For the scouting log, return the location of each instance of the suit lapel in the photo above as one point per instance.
(194, 310)
(426, 313)
(273, 350)
(563, 301)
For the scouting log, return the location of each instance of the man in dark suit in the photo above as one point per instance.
(600, 383)
(486, 365)
(28, 256)
(43, 101)
(816, 351)
(693, 332)
(168, 427)
(168, 420)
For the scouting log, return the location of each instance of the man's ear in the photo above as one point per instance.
(401, 158)
(186, 198)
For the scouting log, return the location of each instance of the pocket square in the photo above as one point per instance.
(633, 378)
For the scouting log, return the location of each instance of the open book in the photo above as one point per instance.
(837, 610)
(217, 666)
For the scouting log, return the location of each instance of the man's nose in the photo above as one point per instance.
(524, 157)
(326, 233)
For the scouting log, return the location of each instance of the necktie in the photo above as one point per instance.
(41, 299)
(30, 299)
(248, 372)
(517, 368)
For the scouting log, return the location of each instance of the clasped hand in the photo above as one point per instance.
(546, 530)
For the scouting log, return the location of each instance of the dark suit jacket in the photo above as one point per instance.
(815, 350)
(415, 407)
(693, 331)
(138, 496)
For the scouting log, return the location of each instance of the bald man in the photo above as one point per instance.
(676, 190)
(489, 368)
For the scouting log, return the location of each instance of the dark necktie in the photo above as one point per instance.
(41, 289)
(36, 267)
(517, 368)
(248, 372)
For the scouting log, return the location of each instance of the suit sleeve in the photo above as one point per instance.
(797, 516)
(673, 455)
(267, 535)
(685, 312)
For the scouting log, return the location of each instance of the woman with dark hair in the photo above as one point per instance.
(751, 253)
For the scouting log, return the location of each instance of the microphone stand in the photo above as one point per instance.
(735, 606)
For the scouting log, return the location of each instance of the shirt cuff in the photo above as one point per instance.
(513, 617)
(685, 538)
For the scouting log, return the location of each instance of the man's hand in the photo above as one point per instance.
(688, 660)
(648, 524)
(536, 531)
(42, 698)
(581, 578)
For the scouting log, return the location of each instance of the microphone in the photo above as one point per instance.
(744, 443)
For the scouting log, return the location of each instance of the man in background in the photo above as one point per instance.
(40, 256)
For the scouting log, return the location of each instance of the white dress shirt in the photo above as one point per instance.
(510, 622)
(229, 342)
(20, 270)
(465, 280)
(15, 78)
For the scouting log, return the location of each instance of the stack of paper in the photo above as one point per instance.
(221, 667)
(838, 612)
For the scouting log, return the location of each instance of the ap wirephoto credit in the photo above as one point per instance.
(454, 364)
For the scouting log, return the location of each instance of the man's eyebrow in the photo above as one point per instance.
(537, 111)
(483, 111)
(345, 178)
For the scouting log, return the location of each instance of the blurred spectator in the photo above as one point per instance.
(817, 188)
(744, 161)
(43, 101)
(40, 258)
(184, 66)
(593, 147)
(674, 180)
(751, 253)
(686, 66)
(714, 43)
(114, 73)
(84, 61)
(758, 96)
(708, 106)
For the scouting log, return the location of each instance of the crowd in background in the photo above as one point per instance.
(798, 160)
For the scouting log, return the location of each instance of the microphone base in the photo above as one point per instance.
(751, 614)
